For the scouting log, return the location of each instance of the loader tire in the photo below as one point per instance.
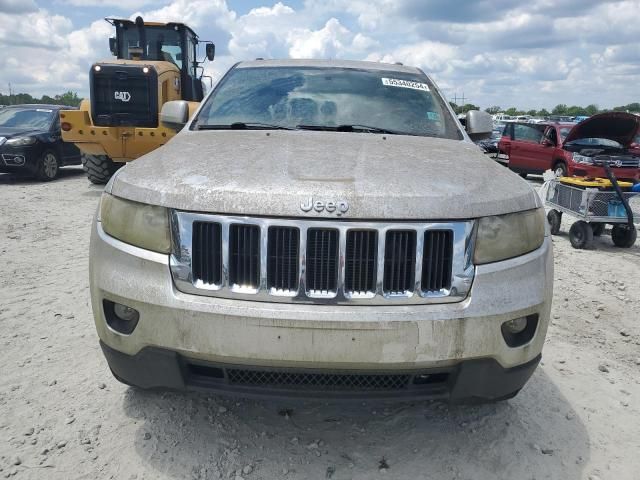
(99, 168)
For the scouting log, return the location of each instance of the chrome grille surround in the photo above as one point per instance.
(625, 161)
(462, 270)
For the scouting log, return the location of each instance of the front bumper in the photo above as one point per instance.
(469, 380)
(629, 174)
(18, 159)
(223, 334)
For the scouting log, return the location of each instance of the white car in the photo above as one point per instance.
(322, 229)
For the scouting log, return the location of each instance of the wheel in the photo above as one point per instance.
(48, 166)
(555, 219)
(623, 236)
(581, 234)
(598, 229)
(523, 175)
(560, 169)
(99, 168)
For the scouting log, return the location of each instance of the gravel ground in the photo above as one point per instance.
(63, 416)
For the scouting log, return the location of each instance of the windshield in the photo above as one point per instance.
(329, 98)
(26, 118)
(159, 43)
(595, 142)
(564, 131)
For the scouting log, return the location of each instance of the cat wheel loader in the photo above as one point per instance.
(155, 63)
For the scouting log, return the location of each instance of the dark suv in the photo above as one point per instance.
(31, 141)
(574, 149)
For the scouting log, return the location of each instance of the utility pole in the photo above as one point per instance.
(455, 98)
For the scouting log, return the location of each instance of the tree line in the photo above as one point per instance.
(68, 98)
(560, 109)
(71, 98)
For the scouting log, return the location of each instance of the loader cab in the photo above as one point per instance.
(174, 43)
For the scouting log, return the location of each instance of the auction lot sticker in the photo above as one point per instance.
(396, 82)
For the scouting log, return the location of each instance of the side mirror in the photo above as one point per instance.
(479, 125)
(211, 51)
(113, 46)
(174, 114)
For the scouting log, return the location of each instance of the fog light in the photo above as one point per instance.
(125, 313)
(119, 317)
(97, 68)
(516, 325)
(519, 331)
(145, 70)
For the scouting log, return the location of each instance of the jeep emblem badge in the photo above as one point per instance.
(123, 96)
(339, 208)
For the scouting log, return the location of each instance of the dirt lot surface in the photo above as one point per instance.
(63, 416)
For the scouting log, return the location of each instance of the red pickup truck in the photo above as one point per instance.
(574, 149)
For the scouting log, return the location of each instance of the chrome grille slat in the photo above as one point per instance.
(437, 260)
(207, 265)
(282, 267)
(322, 261)
(399, 257)
(244, 254)
(360, 262)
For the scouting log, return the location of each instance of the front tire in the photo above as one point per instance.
(99, 168)
(623, 236)
(581, 235)
(560, 169)
(48, 166)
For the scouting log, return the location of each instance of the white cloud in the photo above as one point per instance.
(119, 4)
(262, 32)
(17, 6)
(195, 13)
(328, 42)
(588, 51)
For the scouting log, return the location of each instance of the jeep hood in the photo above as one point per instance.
(620, 127)
(271, 173)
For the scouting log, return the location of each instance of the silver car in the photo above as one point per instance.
(322, 228)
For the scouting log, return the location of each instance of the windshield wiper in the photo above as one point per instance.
(351, 128)
(244, 126)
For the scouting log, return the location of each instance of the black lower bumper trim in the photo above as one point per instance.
(470, 380)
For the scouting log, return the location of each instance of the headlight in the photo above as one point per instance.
(507, 236)
(582, 159)
(145, 226)
(21, 141)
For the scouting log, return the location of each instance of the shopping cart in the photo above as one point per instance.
(594, 208)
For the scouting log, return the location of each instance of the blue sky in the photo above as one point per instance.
(502, 52)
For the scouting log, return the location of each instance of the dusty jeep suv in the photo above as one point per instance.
(322, 228)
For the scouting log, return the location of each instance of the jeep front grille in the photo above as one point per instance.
(321, 261)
